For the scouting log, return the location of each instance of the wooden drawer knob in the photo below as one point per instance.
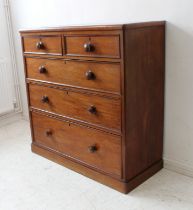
(42, 70)
(92, 148)
(90, 75)
(45, 99)
(40, 45)
(89, 47)
(92, 109)
(48, 132)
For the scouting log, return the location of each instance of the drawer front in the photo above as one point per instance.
(98, 76)
(43, 45)
(95, 148)
(96, 46)
(86, 107)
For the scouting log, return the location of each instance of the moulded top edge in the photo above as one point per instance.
(94, 27)
(74, 28)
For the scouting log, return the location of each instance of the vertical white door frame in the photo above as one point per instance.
(17, 102)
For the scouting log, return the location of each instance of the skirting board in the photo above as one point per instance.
(10, 118)
(25, 116)
(178, 167)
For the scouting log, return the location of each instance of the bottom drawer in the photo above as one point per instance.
(92, 147)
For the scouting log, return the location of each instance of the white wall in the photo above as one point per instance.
(179, 53)
(6, 80)
(10, 98)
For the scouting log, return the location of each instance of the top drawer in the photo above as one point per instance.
(43, 45)
(93, 46)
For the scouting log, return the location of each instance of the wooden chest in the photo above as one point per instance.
(96, 99)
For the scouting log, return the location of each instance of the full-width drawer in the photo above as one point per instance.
(96, 46)
(43, 44)
(87, 107)
(92, 147)
(99, 76)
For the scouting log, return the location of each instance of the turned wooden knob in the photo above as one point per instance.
(92, 109)
(89, 47)
(48, 132)
(90, 75)
(40, 45)
(42, 70)
(45, 99)
(92, 148)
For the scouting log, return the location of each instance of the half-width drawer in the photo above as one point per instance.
(89, 146)
(92, 75)
(43, 44)
(88, 107)
(94, 46)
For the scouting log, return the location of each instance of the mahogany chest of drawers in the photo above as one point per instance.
(96, 99)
